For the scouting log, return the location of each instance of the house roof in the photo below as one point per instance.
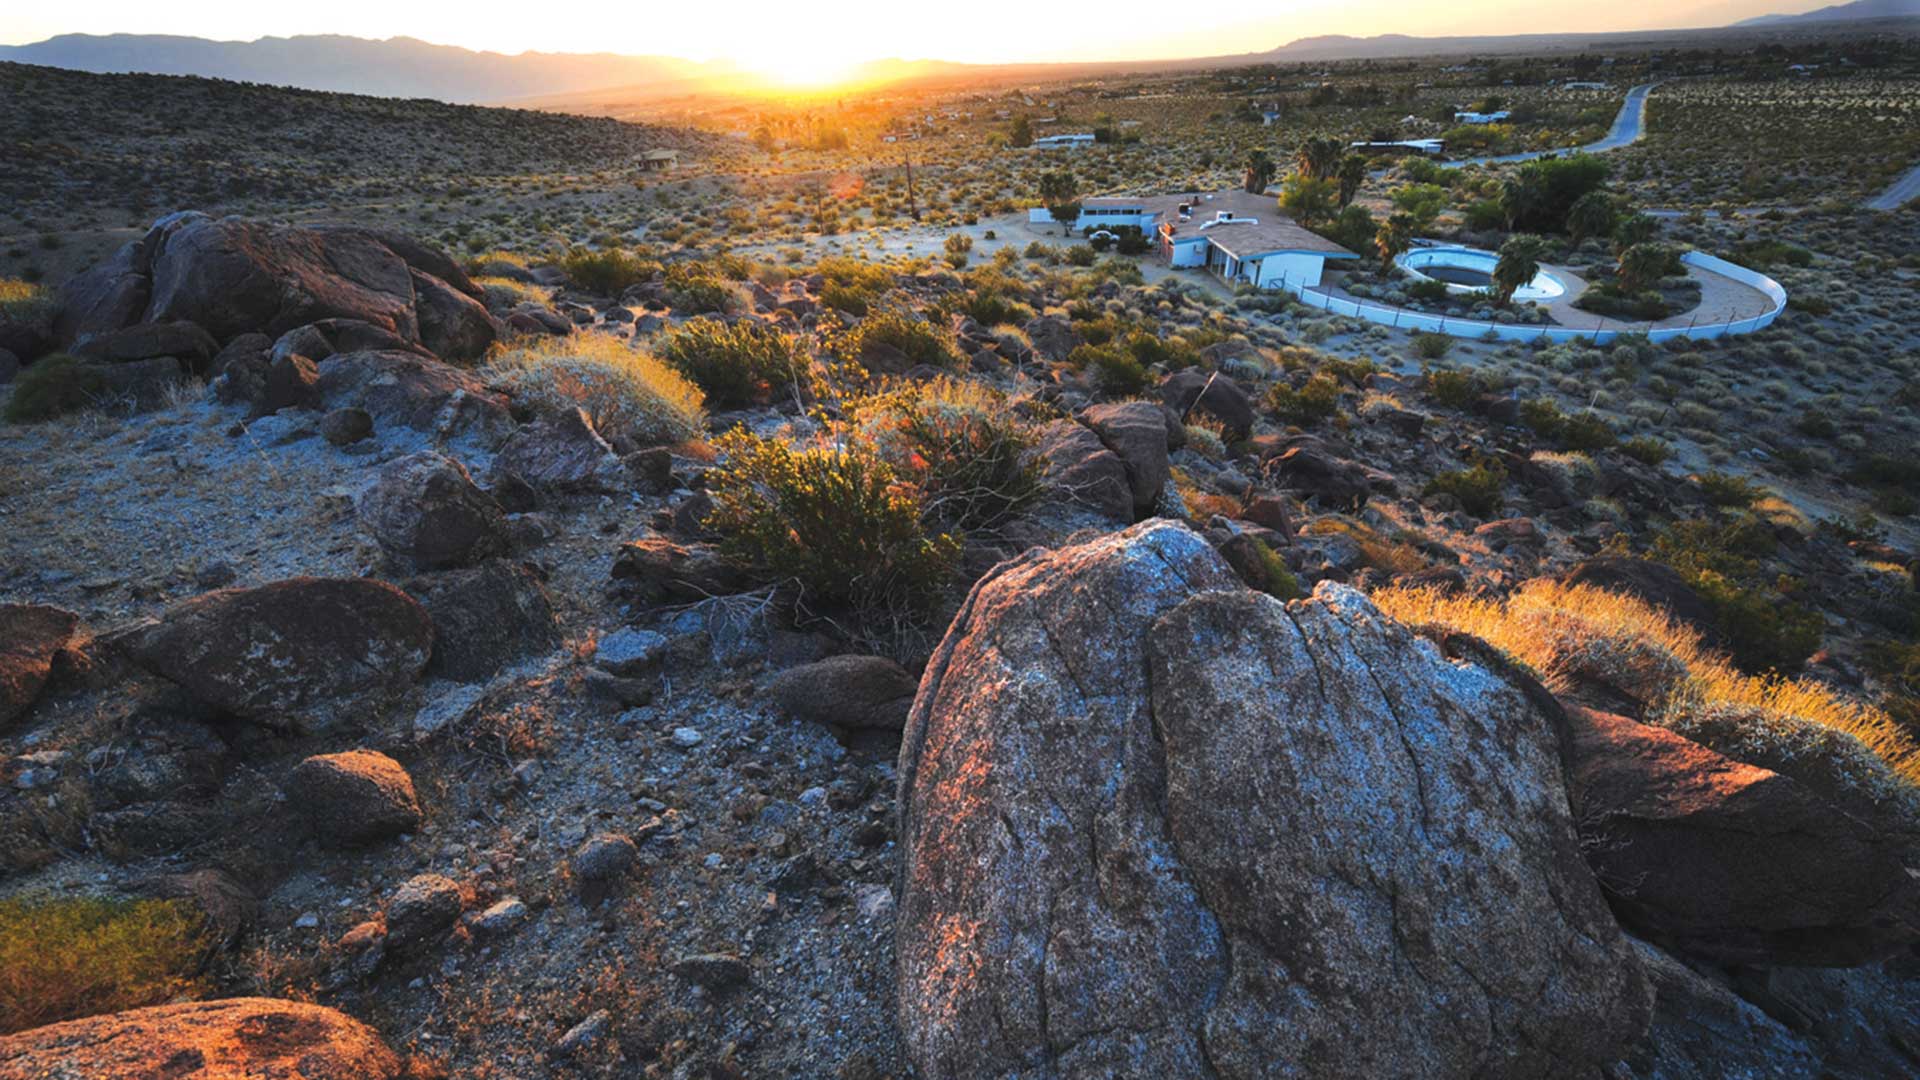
(661, 155)
(1264, 230)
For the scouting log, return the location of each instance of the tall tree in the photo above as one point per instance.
(1352, 174)
(1634, 229)
(1260, 170)
(1020, 132)
(1061, 196)
(1519, 263)
(1643, 264)
(1592, 214)
(1520, 196)
(1308, 199)
(1396, 232)
(1422, 202)
(1318, 158)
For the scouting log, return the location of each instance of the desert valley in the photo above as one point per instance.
(1389, 557)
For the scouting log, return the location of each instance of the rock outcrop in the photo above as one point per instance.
(425, 509)
(31, 635)
(1733, 862)
(292, 652)
(238, 1037)
(1155, 824)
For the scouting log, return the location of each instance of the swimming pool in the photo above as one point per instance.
(1465, 270)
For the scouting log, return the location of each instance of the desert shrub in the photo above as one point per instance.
(845, 298)
(1570, 634)
(1395, 555)
(68, 958)
(1478, 490)
(736, 364)
(837, 522)
(608, 272)
(1586, 432)
(1454, 389)
(1727, 489)
(54, 386)
(918, 340)
(1173, 354)
(1647, 450)
(1081, 256)
(698, 295)
(505, 293)
(959, 444)
(1114, 373)
(1429, 291)
(24, 301)
(1313, 402)
(1720, 559)
(625, 392)
(1430, 346)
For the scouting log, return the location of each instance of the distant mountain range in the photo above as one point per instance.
(396, 67)
(410, 68)
(1858, 9)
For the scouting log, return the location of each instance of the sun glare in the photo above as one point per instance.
(806, 69)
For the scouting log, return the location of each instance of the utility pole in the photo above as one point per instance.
(913, 204)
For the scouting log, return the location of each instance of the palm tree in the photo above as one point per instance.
(1519, 263)
(1260, 170)
(1352, 173)
(1637, 229)
(1396, 232)
(1317, 158)
(1519, 196)
(1592, 214)
(1643, 264)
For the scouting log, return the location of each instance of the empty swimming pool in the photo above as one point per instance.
(1466, 270)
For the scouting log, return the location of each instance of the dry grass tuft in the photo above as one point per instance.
(64, 959)
(1570, 634)
(623, 390)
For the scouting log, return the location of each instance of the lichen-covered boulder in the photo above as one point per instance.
(1156, 824)
(291, 652)
(425, 509)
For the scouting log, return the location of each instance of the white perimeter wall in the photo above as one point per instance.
(1473, 328)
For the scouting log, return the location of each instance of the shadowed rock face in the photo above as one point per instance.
(240, 1037)
(1154, 824)
(293, 651)
(30, 636)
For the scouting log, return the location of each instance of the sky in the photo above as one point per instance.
(823, 34)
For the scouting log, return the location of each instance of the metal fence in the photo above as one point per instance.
(1406, 319)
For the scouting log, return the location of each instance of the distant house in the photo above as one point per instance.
(660, 160)
(1481, 117)
(1240, 236)
(1063, 142)
(1584, 86)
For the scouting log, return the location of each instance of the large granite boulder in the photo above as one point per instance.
(1733, 862)
(1077, 468)
(1138, 432)
(1197, 393)
(294, 652)
(239, 1038)
(408, 390)
(1155, 824)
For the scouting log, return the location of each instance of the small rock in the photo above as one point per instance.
(714, 971)
(584, 1035)
(605, 856)
(425, 907)
(355, 797)
(629, 652)
(501, 917)
(344, 427)
(686, 737)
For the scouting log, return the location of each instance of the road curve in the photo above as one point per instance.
(1903, 191)
(1628, 126)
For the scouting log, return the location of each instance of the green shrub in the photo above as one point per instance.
(1454, 389)
(1079, 255)
(625, 392)
(836, 522)
(1647, 450)
(847, 298)
(1586, 432)
(703, 296)
(1308, 405)
(960, 445)
(1173, 354)
(1114, 373)
(64, 959)
(1726, 489)
(1431, 346)
(1762, 631)
(737, 364)
(918, 340)
(1429, 291)
(54, 386)
(609, 272)
(1478, 490)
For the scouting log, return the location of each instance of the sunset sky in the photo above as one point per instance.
(828, 33)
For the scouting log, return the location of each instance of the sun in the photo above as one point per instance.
(805, 68)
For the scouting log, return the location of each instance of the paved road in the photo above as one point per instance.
(1628, 126)
(1903, 191)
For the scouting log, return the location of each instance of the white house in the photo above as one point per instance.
(1481, 117)
(1063, 142)
(1238, 235)
(1434, 147)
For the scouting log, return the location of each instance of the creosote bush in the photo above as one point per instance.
(960, 445)
(54, 386)
(1308, 405)
(69, 958)
(1478, 490)
(838, 522)
(608, 272)
(736, 364)
(918, 340)
(625, 392)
